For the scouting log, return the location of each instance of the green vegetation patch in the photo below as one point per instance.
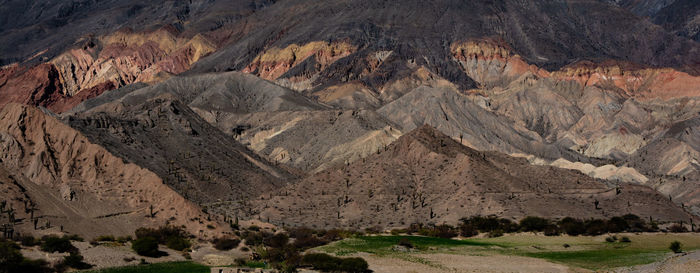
(601, 258)
(383, 244)
(171, 267)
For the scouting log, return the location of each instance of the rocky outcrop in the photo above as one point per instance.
(83, 188)
(491, 63)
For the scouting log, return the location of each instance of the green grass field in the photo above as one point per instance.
(381, 245)
(172, 267)
(582, 251)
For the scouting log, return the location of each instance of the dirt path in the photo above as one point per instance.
(678, 263)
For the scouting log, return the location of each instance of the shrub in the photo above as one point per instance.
(11, 260)
(396, 232)
(28, 240)
(74, 237)
(287, 254)
(405, 242)
(374, 230)
(551, 230)
(327, 263)
(677, 228)
(162, 234)
(414, 228)
(490, 223)
(178, 243)
(443, 231)
(57, 244)
(484, 224)
(467, 230)
(572, 226)
(124, 239)
(610, 239)
(226, 243)
(105, 238)
(625, 239)
(532, 223)
(253, 238)
(495, 233)
(308, 241)
(146, 246)
(75, 261)
(301, 232)
(353, 265)
(617, 224)
(676, 247)
(277, 240)
(321, 261)
(636, 224)
(596, 227)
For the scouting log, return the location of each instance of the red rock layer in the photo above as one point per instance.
(274, 62)
(491, 63)
(38, 85)
(107, 63)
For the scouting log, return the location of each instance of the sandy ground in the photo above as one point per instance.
(439, 263)
(206, 254)
(104, 255)
(112, 254)
(678, 263)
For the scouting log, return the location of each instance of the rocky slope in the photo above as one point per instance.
(426, 176)
(76, 186)
(278, 123)
(681, 17)
(165, 136)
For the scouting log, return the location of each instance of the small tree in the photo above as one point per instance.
(75, 261)
(146, 246)
(178, 243)
(226, 243)
(406, 243)
(57, 244)
(353, 265)
(532, 223)
(676, 247)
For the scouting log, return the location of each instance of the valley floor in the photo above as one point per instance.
(524, 253)
(521, 252)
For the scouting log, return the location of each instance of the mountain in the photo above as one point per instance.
(68, 183)
(319, 45)
(154, 128)
(336, 109)
(426, 176)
